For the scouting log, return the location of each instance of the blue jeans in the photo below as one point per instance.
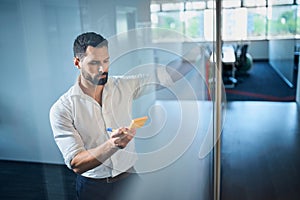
(100, 189)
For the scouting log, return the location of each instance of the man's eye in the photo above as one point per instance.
(94, 63)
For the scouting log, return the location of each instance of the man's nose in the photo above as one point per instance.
(101, 70)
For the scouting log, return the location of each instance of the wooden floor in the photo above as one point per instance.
(260, 159)
(261, 151)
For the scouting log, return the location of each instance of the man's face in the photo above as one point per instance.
(95, 64)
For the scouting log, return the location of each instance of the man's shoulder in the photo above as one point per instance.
(67, 94)
(65, 99)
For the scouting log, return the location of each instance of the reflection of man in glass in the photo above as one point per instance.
(103, 161)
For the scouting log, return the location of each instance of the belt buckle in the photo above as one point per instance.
(117, 178)
(111, 179)
(108, 179)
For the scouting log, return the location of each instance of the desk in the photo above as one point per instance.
(228, 55)
(228, 58)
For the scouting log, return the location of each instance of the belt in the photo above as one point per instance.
(115, 178)
(119, 176)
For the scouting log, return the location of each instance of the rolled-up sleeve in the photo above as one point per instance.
(65, 134)
(164, 77)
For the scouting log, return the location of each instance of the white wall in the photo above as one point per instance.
(282, 58)
(258, 49)
(36, 68)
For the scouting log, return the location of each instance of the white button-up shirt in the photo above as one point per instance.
(79, 123)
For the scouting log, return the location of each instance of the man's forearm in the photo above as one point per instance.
(92, 158)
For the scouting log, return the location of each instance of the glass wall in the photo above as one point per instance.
(176, 146)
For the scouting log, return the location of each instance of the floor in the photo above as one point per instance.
(260, 159)
(261, 83)
(260, 151)
(35, 181)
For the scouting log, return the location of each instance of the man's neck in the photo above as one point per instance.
(94, 91)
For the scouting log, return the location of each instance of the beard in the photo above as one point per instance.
(96, 80)
(103, 81)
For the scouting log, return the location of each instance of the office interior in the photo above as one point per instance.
(259, 141)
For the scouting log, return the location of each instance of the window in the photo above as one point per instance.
(256, 23)
(280, 2)
(195, 5)
(298, 21)
(194, 26)
(231, 3)
(234, 24)
(282, 21)
(254, 3)
(172, 6)
(241, 19)
(167, 20)
(155, 7)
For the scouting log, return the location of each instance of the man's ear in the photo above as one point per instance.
(76, 62)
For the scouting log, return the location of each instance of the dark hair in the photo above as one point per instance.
(87, 39)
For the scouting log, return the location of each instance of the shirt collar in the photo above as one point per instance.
(77, 90)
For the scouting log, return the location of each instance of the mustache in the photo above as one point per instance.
(102, 74)
(103, 78)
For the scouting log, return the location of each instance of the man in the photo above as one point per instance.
(103, 161)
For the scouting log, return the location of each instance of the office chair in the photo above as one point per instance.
(244, 60)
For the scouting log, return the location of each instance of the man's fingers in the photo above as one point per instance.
(123, 131)
(122, 139)
(123, 136)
